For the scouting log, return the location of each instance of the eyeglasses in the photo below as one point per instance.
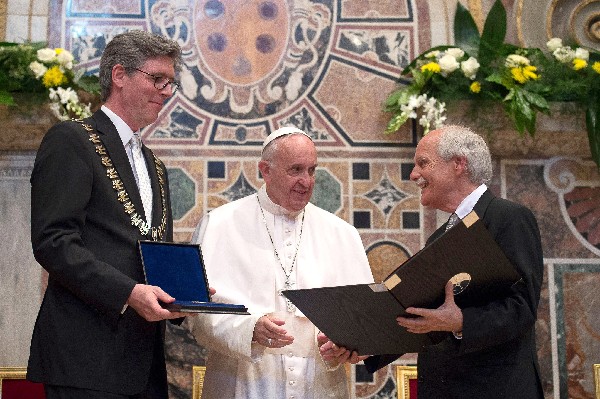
(160, 82)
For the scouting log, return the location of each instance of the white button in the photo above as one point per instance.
(292, 382)
(291, 369)
(287, 230)
(292, 397)
(288, 243)
(290, 354)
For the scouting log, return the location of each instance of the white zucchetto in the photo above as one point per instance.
(283, 131)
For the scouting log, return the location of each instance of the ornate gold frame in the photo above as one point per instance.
(597, 380)
(403, 376)
(12, 373)
(197, 381)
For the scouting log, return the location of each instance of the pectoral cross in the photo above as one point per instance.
(288, 285)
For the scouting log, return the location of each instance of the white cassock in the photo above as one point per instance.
(241, 265)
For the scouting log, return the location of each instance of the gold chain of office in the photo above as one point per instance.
(156, 233)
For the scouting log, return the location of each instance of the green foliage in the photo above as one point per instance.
(466, 34)
(486, 69)
(31, 73)
(15, 75)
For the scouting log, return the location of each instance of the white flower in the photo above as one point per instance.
(38, 69)
(554, 44)
(455, 52)
(448, 64)
(470, 67)
(57, 111)
(67, 95)
(46, 54)
(515, 60)
(582, 54)
(432, 54)
(65, 58)
(564, 54)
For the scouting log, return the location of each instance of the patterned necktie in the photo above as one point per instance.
(142, 178)
(452, 220)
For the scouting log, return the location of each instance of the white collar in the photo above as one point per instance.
(467, 205)
(125, 132)
(272, 207)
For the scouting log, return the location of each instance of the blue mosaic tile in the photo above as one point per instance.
(362, 219)
(362, 375)
(405, 170)
(216, 169)
(361, 171)
(411, 220)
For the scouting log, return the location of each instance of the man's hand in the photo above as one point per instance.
(447, 317)
(144, 300)
(334, 354)
(268, 332)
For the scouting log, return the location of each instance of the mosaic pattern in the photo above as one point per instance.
(251, 68)
(578, 188)
(576, 293)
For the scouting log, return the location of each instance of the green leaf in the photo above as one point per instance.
(592, 123)
(395, 123)
(494, 32)
(466, 34)
(536, 100)
(6, 98)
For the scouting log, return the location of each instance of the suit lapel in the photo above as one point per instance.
(480, 209)
(481, 206)
(114, 146)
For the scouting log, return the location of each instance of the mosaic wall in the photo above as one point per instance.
(326, 66)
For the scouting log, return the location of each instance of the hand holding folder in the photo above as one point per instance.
(363, 317)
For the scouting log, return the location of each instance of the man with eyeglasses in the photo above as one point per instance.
(96, 190)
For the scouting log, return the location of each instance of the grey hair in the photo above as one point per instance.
(461, 141)
(132, 49)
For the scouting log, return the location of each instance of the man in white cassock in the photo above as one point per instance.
(254, 248)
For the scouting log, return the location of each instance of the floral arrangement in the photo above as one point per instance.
(486, 69)
(44, 74)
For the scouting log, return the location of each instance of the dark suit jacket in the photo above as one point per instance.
(497, 356)
(82, 236)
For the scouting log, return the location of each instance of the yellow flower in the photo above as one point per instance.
(54, 77)
(59, 50)
(475, 87)
(579, 63)
(517, 74)
(432, 67)
(524, 73)
(596, 66)
(530, 72)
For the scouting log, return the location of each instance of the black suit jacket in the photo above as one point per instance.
(497, 356)
(82, 236)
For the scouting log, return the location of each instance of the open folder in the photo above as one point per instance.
(363, 317)
(178, 269)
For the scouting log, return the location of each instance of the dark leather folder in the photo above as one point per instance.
(178, 269)
(363, 317)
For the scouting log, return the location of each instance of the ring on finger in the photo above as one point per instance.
(269, 341)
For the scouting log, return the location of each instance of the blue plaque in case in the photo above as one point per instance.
(178, 269)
